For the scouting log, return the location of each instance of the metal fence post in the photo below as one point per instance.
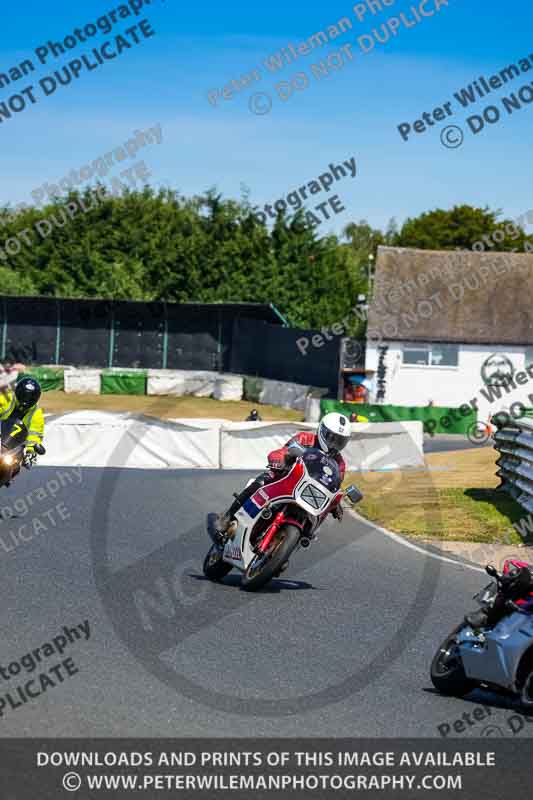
(165, 337)
(111, 337)
(219, 343)
(4, 329)
(58, 331)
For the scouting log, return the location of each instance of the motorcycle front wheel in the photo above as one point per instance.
(447, 672)
(215, 568)
(265, 565)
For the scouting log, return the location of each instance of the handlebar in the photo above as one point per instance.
(505, 582)
(510, 605)
(498, 576)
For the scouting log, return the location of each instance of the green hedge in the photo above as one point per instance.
(252, 389)
(436, 420)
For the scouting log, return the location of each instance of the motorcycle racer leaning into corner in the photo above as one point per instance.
(22, 404)
(332, 436)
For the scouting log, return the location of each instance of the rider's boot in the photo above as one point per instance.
(226, 527)
(490, 616)
(477, 619)
(222, 522)
(225, 523)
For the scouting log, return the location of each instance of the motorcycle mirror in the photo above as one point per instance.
(40, 449)
(492, 571)
(353, 494)
(295, 449)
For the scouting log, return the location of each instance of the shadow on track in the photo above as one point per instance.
(275, 586)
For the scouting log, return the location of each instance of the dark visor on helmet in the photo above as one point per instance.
(335, 441)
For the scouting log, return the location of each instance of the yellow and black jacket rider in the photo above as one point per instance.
(33, 419)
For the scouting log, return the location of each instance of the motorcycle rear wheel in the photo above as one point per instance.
(214, 567)
(447, 671)
(265, 566)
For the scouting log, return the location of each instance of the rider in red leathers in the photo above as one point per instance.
(332, 437)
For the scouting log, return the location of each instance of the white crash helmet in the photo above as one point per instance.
(334, 433)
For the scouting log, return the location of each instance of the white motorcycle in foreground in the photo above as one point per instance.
(278, 519)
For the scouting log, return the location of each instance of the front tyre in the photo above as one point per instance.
(264, 566)
(447, 672)
(214, 567)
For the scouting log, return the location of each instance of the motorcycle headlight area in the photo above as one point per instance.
(313, 496)
(7, 459)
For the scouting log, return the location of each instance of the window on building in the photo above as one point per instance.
(416, 355)
(431, 355)
(444, 355)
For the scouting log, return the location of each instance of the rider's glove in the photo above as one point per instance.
(338, 512)
(29, 458)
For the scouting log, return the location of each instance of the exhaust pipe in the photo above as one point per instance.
(305, 542)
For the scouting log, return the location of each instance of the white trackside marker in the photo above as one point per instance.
(415, 547)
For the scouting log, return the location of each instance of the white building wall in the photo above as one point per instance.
(408, 385)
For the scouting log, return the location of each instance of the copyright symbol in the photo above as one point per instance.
(71, 781)
(478, 433)
(260, 103)
(452, 137)
(492, 730)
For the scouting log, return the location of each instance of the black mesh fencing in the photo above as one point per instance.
(246, 339)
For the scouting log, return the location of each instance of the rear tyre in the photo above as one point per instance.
(447, 671)
(524, 681)
(526, 694)
(266, 566)
(214, 567)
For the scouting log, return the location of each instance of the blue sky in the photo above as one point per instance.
(352, 113)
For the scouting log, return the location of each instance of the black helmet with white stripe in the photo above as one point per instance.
(27, 394)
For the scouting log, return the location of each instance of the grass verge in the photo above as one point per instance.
(165, 407)
(453, 499)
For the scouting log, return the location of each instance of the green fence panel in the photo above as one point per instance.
(49, 379)
(123, 382)
(435, 419)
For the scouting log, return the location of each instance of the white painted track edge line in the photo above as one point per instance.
(415, 547)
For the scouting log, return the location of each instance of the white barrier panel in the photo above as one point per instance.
(82, 381)
(246, 445)
(165, 383)
(286, 395)
(181, 382)
(229, 387)
(385, 445)
(312, 409)
(388, 445)
(100, 439)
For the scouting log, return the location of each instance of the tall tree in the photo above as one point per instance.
(462, 227)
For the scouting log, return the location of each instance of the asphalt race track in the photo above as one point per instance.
(340, 647)
(445, 442)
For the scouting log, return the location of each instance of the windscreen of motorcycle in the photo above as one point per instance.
(323, 469)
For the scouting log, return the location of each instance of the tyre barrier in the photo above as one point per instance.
(514, 441)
